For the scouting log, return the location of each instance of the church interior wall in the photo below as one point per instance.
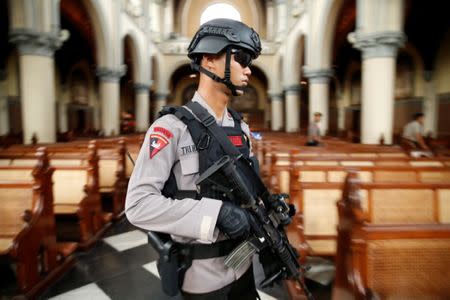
(318, 25)
(62, 98)
(17, 14)
(261, 90)
(12, 75)
(259, 11)
(417, 67)
(100, 12)
(443, 66)
(351, 88)
(156, 11)
(181, 88)
(167, 65)
(154, 71)
(442, 84)
(190, 11)
(266, 63)
(138, 41)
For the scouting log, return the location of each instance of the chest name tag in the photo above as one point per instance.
(236, 140)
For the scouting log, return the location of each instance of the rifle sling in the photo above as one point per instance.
(210, 123)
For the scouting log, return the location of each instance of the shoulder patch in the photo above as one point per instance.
(164, 131)
(157, 143)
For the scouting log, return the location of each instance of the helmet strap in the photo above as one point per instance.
(226, 80)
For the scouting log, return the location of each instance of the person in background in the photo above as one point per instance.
(413, 132)
(314, 138)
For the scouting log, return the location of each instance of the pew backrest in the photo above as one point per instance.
(404, 262)
(382, 203)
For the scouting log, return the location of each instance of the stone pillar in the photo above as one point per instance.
(319, 80)
(292, 94)
(142, 107)
(270, 20)
(37, 83)
(276, 100)
(110, 99)
(160, 101)
(282, 19)
(379, 51)
(430, 105)
(168, 18)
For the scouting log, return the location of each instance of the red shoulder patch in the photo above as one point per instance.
(157, 143)
(164, 131)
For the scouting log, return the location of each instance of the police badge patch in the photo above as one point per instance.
(157, 143)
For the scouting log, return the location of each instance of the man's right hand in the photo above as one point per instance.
(233, 221)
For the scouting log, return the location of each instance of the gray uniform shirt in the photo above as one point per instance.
(168, 146)
(313, 131)
(411, 130)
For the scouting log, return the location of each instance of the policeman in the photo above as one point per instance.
(162, 194)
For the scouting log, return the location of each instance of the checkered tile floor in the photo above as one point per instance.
(121, 266)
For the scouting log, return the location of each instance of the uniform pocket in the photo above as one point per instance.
(189, 163)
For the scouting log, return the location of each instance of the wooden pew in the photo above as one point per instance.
(133, 147)
(369, 174)
(27, 225)
(284, 166)
(113, 179)
(383, 203)
(388, 261)
(83, 202)
(77, 203)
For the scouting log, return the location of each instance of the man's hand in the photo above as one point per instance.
(232, 221)
(421, 142)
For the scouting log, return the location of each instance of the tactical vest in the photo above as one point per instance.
(211, 145)
(209, 150)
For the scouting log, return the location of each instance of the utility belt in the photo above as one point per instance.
(176, 258)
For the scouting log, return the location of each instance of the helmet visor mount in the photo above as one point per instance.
(244, 58)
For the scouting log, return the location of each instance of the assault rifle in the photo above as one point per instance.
(267, 214)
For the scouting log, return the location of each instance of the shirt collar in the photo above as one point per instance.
(198, 98)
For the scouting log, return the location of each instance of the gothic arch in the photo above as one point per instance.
(320, 41)
(418, 67)
(165, 72)
(130, 40)
(293, 59)
(101, 29)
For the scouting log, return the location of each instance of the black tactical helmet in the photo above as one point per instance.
(219, 35)
(214, 36)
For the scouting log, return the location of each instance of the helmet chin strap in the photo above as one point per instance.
(226, 80)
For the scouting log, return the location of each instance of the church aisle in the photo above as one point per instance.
(121, 266)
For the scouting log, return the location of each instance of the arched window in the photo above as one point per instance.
(220, 10)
